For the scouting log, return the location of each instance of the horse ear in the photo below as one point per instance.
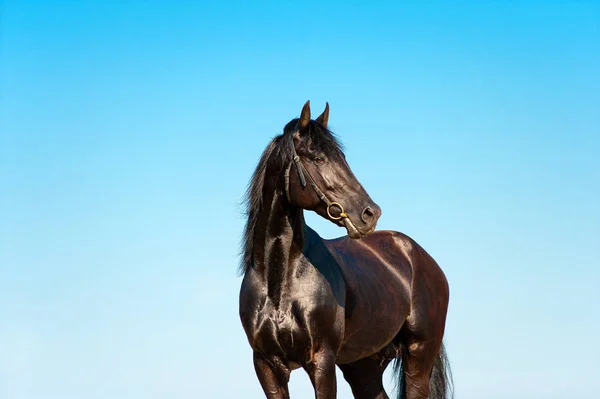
(304, 117)
(324, 117)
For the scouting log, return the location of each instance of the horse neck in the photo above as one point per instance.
(278, 241)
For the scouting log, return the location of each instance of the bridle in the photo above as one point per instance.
(303, 175)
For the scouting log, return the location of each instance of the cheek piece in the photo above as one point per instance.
(303, 175)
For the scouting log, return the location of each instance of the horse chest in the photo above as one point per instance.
(281, 325)
(278, 329)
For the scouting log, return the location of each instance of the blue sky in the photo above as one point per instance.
(129, 130)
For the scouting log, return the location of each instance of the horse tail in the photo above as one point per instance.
(399, 373)
(440, 380)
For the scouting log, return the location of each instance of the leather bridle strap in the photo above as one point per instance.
(303, 175)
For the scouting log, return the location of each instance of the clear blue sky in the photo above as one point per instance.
(128, 133)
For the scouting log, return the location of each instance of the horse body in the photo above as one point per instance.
(356, 303)
(382, 271)
(378, 285)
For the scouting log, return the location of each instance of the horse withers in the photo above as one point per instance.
(357, 302)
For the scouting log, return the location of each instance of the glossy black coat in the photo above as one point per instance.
(314, 303)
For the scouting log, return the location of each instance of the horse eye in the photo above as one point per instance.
(319, 161)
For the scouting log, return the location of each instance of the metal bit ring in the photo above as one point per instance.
(342, 213)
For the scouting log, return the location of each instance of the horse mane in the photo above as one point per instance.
(318, 137)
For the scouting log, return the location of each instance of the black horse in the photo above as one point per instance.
(314, 303)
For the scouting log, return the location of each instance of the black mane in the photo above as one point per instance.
(319, 138)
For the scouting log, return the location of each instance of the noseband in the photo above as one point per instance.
(303, 175)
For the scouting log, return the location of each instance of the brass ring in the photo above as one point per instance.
(342, 213)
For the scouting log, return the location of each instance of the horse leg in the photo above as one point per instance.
(426, 372)
(321, 370)
(273, 378)
(365, 377)
(417, 363)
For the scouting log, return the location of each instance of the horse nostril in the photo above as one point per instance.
(367, 215)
